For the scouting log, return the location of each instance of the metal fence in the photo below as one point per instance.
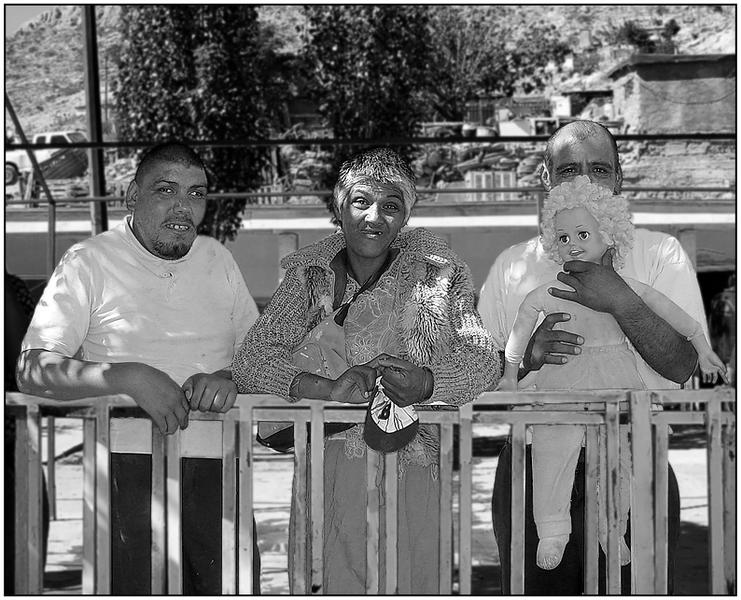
(649, 427)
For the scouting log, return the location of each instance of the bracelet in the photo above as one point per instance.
(429, 384)
(293, 391)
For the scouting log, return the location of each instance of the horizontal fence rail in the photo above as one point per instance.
(231, 439)
(391, 141)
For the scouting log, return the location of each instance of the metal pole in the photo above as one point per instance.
(52, 221)
(98, 210)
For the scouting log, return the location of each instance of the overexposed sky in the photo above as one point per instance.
(17, 14)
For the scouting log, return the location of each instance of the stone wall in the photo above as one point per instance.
(695, 163)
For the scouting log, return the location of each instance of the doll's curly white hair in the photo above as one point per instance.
(609, 210)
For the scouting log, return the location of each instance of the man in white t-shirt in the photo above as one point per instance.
(665, 359)
(154, 311)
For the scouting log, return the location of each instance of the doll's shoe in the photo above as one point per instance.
(550, 551)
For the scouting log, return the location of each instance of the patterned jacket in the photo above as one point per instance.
(440, 327)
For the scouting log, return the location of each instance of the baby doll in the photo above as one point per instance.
(580, 221)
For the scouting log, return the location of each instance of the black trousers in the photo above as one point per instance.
(131, 536)
(568, 577)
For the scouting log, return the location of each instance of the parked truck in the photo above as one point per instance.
(55, 163)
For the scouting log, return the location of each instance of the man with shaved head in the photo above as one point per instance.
(154, 311)
(665, 359)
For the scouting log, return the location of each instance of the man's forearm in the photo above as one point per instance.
(51, 375)
(666, 352)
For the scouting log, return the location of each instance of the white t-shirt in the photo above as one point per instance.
(657, 259)
(110, 300)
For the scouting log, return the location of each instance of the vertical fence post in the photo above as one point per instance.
(715, 497)
(591, 511)
(446, 508)
(158, 513)
(729, 504)
(301, 476)
(517, 552)
(34, 525)
(102, 499)
(21, 504)
(465, 502)
(51, 471)
(642, 505)
(172, 502)
(228, 506)
(611, 495)
(373, 554)
(661, 507)
(317, 496)
(391, 493)
(89, 535)
(246, 508)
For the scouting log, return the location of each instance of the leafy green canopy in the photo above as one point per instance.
(194, 72)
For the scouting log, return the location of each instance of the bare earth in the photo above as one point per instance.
(272, 498)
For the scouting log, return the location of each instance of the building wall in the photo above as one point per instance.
(693, 163)
(258, 253)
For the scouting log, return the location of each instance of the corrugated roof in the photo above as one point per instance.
(653, 59)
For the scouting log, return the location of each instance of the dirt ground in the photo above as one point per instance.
(272, 497)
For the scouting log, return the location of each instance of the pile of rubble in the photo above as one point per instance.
(439, 167)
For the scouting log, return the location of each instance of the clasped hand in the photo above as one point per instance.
(403, 382)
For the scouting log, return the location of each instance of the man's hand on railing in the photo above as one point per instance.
(158, 395)
(506, 384)
(210, 391)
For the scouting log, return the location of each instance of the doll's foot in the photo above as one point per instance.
(624, 551)
(550, 551)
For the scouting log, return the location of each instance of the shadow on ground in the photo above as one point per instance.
(691, 570)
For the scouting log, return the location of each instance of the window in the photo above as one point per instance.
(491, 179)
(505, 179)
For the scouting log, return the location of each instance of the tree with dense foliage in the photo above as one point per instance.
(478, 51)
(194, 72)
(633, 34)
(370, 64)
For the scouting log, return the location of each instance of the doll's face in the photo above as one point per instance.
(578, 236)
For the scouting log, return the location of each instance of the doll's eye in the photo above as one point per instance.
(563, 239)
(583, 235)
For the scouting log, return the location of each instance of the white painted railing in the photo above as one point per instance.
(233, 439)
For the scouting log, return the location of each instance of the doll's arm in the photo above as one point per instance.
(527, 317)
(710, 364)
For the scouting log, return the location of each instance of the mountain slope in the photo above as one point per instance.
(44, 60)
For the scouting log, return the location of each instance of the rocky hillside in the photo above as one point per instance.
(44, 66)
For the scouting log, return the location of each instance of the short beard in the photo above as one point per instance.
(171, 251)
